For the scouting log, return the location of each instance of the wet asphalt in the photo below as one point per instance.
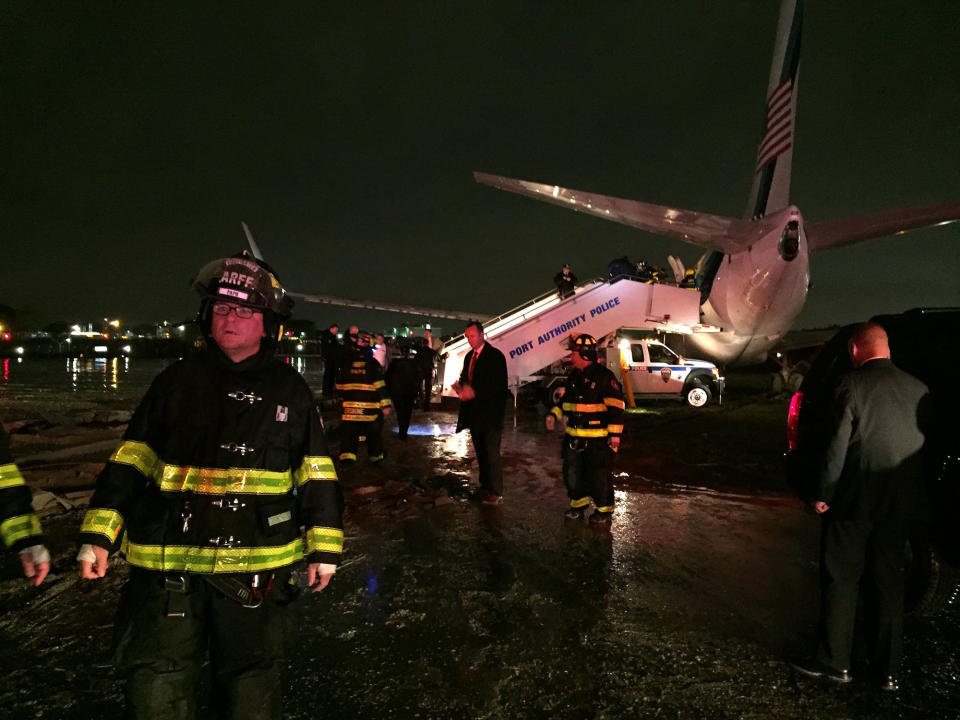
(687, 607)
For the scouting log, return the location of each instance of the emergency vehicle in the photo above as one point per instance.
(655, 372)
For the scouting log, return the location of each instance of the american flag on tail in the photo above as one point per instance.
(779, 135)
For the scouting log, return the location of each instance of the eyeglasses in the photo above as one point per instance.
(241, 311)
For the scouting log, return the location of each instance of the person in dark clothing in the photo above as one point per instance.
(619, 267)
(482, 389)
(19, 525)
(592, 404)
(403, 382)
(870, 490)
(565, 281)
(426, 357)
(222, 483)
(330, 351)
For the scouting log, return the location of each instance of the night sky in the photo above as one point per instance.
(135, 138)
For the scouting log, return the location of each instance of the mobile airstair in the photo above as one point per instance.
(537, 333)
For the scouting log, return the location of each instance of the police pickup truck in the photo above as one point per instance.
(655, 372)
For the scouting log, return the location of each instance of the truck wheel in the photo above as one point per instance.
(697, 395)
(551, 395)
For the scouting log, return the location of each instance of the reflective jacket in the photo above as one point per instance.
(362, 388)
(19, 526)
(592, 402)
(222, 469)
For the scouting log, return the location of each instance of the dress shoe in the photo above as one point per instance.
(815, 668)
(573, 513)
(492, 499)
(890, 684)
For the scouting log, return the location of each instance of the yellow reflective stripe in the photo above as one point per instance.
(380, 384)
(10, 476)
(358, 386)
(580, 502)
(18, 528)
(557, 412)
(615, 428)
(215, 481)
(315, 467)
(103, 522)
(361, 405)
(614, 402)
(346, 456)
(324, 540)
(213, 559)
(605, 509)
(385, 402)
(584, 407)
(138, 455)
(360, 418)
(587, 432)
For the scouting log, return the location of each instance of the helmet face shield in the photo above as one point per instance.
(241, 280)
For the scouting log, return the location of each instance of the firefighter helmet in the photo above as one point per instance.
(585, 346)
(244, 280)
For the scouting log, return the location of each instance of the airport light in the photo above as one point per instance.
(127, 349)
(19, 350)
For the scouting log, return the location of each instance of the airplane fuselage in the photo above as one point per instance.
(757, 294)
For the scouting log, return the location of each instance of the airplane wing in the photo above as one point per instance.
(369, 304)
(713, 232)
(835, 233)
(388, 307)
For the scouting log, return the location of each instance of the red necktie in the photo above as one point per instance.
(473, 362)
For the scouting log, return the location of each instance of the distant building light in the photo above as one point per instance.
(100, 348)
(127, 349)
(181, 328)
(19, 350)
(299, 348)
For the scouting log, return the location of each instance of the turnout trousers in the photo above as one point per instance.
(849, 549)
(587, 468)
(350, 432)
(161, 657)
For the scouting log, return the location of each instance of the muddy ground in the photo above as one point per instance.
(687, 608)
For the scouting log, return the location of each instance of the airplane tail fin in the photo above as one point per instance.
(771, 182)
(836, 233)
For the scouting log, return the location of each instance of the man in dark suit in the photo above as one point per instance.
(482, 388)
(870, 489)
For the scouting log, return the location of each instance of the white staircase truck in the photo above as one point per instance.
(536, 334)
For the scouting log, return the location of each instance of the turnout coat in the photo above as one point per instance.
(223, 469)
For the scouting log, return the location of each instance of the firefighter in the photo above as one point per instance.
(19, 526)
(222, 464)
(592, 406)
(364, 403)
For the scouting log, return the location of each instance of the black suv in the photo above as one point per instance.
(924, 343)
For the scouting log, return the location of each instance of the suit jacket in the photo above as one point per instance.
(872, 469)
(487, 409)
